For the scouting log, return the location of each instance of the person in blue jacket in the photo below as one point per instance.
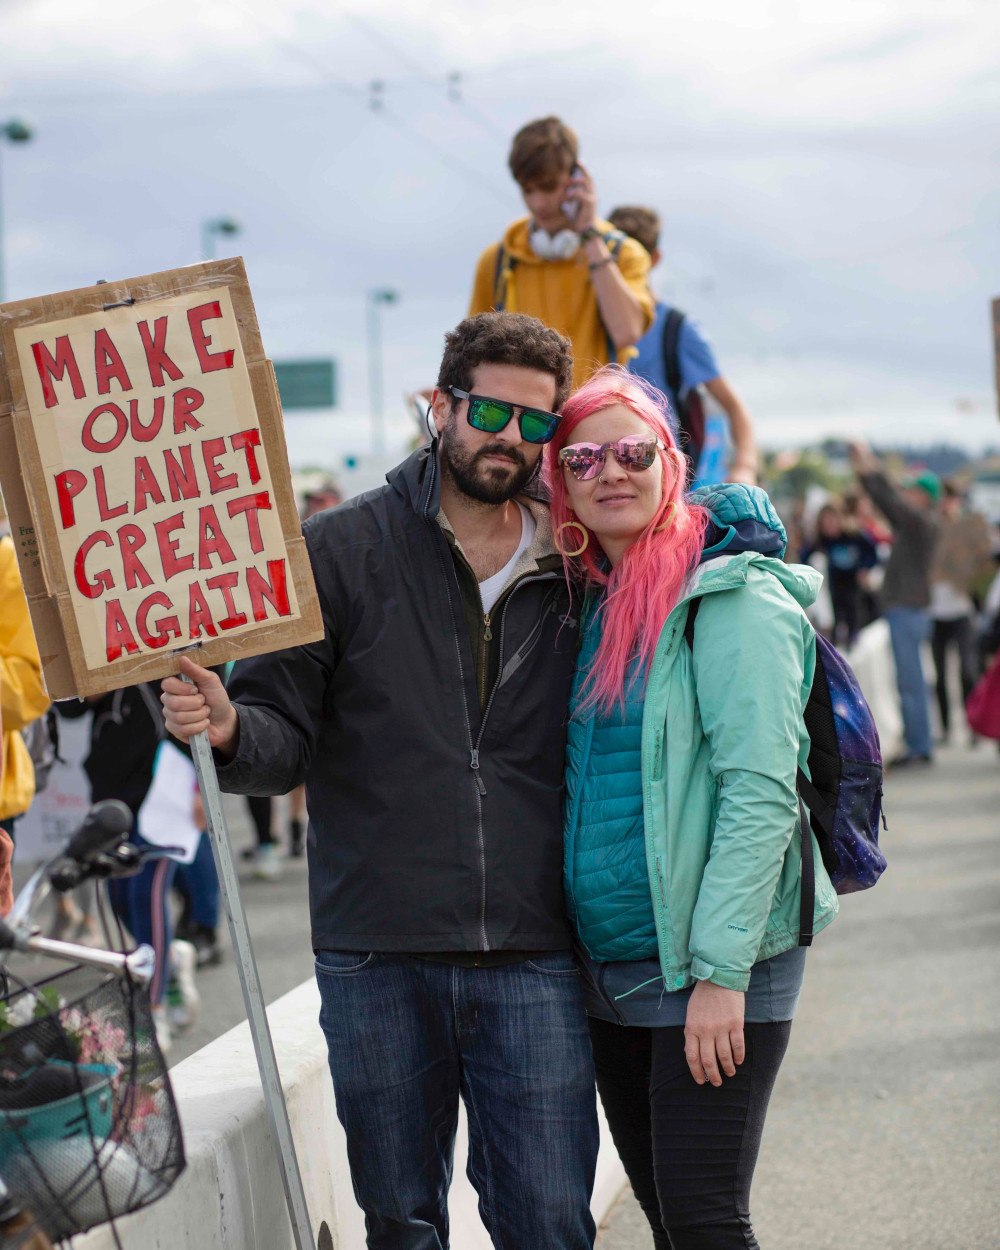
(682, 829)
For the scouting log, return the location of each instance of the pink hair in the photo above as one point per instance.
(646, 584)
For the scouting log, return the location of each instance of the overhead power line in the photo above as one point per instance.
(372, 97)
(452, 83)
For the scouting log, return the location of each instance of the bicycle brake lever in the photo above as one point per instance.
(158, 852)
(125, 860)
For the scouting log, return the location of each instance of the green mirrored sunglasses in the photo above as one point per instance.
(491, 415)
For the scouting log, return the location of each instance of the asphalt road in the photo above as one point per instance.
(883, 1132)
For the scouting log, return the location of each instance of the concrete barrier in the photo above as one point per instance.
(230, 1196)
(871, 659)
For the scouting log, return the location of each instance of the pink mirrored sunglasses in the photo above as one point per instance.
(586, 460)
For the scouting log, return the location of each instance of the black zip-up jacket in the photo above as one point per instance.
(435, 816)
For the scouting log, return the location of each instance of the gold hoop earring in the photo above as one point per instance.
(671, 509)
(583, 546)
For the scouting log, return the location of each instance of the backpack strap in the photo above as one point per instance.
(613, 241)
(807, 895)
(814, 801)
(804, 787)
(501, 277)
(671, 358)
(693, 607)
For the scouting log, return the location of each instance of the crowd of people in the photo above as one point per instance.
(555, 840)
(915, 553)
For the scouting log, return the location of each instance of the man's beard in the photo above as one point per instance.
(486, 483)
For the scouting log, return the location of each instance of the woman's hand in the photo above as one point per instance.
(713, 1032)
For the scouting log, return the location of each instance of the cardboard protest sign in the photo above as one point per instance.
(143, 465)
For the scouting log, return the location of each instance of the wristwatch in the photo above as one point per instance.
(591, 232)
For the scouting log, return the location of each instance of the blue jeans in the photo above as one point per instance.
(199, 884)
(908, 628)
(407, 1038)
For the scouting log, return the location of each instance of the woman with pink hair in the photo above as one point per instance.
(682, 830)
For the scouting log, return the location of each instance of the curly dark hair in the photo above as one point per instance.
(503, 338)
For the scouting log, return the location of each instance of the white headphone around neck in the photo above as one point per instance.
(562, 245)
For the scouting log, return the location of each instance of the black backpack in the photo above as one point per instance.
(690, 405)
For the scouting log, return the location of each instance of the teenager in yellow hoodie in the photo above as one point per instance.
(562, 263)
(22, 692)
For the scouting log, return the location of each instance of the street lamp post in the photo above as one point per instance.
(376, 298)
(213, 228)
(14, 131)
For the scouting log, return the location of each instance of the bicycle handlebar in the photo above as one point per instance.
(96, 849)
(140, 964)
(123, 860)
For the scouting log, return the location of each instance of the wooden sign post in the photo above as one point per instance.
(143, 467)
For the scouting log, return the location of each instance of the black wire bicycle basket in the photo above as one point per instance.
(88, 1123)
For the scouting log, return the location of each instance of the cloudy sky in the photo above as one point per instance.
(826, 171)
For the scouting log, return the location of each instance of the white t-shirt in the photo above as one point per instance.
(491, 590)
(949, 604)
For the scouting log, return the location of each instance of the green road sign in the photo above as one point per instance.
(306, 383)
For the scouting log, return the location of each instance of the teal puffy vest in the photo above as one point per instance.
(606, 882)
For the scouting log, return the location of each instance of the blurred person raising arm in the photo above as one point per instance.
(906, 592)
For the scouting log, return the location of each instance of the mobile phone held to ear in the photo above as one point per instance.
(570, 208)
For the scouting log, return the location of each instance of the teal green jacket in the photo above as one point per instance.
(722, 736)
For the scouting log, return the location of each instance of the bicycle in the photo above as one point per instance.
(89, 1129)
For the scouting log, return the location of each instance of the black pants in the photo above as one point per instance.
(846, 601)
(689, 1150)
(260, 814)
(962, 634)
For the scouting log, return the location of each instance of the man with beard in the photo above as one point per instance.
(429, 728)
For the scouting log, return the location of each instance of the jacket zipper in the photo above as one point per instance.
(540, 577)
(449, 573)
(487, 638)
(474, 746)
(474, 754)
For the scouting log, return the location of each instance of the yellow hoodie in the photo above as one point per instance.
(559, 292)
(22, 692)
